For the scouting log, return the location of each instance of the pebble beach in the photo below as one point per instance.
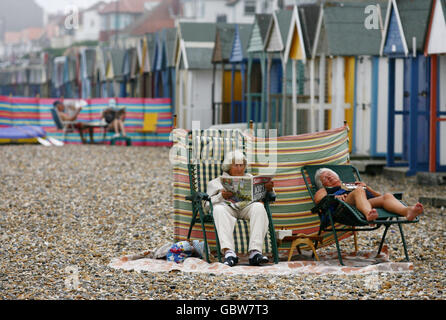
(75, 208)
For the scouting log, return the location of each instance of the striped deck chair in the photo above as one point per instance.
(205, 153)
(349, 215)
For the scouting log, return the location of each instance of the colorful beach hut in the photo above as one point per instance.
(435, 47)
(404, 37)
(257, 63)
(223, 76)
(299, 40)
(87, 67)
(276, 71)
(100, 80)
(239, 60)
(334, 39)
(168, 63)
(354, 33)
(194, 47)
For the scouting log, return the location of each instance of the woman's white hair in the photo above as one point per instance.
(232, 157)
(317, 176)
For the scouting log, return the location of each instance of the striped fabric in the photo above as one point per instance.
(36, 112)
(282, 157)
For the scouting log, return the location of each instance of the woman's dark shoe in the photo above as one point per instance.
(258, 259)
(231, 261)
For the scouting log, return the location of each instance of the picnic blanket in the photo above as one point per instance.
(363, 262)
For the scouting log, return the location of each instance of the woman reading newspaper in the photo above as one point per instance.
(239, 204)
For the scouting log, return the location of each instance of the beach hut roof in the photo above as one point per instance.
(295, 45)
(90, 56)
(224, 37)
(170, 36)
(278, 30)
(258, 32)
(309, 15)
(436, 33)
(151, 47)
(196, 44)
(343, 31)
(405, 21)
(240, 42)
(115, 62)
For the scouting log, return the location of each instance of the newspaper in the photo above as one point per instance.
(245, 189)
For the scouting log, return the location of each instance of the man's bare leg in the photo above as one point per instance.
(391, 204)
(358, 199)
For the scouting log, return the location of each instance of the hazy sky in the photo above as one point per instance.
(52, 6)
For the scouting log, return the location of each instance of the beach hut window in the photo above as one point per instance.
(221, 18)
(250, 7)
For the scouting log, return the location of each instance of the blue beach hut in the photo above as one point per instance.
(435, 47)
(239, 60)
(404, 37)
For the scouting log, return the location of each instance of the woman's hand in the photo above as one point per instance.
(226, 194)
(360, 184)
(269, 186)
(342, 197)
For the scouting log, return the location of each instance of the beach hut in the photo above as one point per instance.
(222, 76)
(100, 80)
(297, 117)
(276, 70)
(127, 85)
(336, 66)
(168, 64)
(114, 72)
(158, 87)
(239, 60)
(194, 47)
(37, 80)
(147, 58)
(87, 65)
(435, 47)
(257, 63)
(355, 39)
(58, 75)
(404, 37)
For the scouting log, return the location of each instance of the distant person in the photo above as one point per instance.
(69, 113)
(115, 119)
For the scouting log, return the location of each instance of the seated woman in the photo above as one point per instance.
(115, 120)
(225, 216)
(364, 198)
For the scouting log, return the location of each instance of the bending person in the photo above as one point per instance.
(364, 198)
(225, 215)
(115, 120)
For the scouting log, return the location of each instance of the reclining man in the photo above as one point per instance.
(66, 115)
(364, 198)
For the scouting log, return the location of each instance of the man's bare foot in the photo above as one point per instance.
(414, 211)
(372, 215)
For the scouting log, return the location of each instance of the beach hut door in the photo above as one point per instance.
(416, 113)
(363, 106)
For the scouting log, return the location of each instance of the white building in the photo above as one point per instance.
(89, 23)
(230, 11)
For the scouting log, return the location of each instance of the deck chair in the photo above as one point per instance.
(65, 126)
(206, 152)
(348, 215)
(69, 126)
